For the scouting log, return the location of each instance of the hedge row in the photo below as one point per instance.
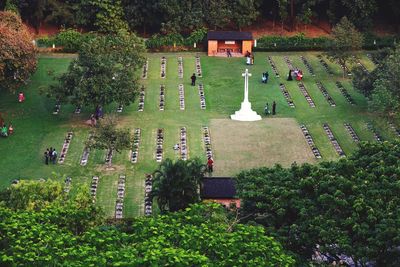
(302, 43)
(70, 40)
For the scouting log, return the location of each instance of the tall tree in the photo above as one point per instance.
(177, 184)
(17, 53)
(104, 72)
(108, 136)
(346, 41)
(244, 12)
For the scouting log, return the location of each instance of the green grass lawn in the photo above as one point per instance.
(36, 128)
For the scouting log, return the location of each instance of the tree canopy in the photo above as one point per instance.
(17, 53)
(104, 72)
(72, 232)
(177, 184)
(350, 207)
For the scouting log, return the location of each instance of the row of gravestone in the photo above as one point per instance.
(310, 141)
(162, 97)
(163, 72)
(198, 67)
(136, 144)
(333, 140)
(273, 66)
(181, 97)
(148, 201)
(183, 144)
(141, 98)
(65, 147)
(286, 94)
(145, 69)
(207, 141)
(202, 96)
(325, 65)
(304, 91)
(352, 132)
(119, 203)
(308, 65)
(159, 144)
(93, 187)
(377, 135)
(345, 93)
(325, 93)
(180, 68)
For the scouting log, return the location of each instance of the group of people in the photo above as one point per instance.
(50, 155)
(249, 58)
(264, 78)
(6, 131)
(298, 75)
(267, 111)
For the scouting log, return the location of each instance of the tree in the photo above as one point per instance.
(108, 137)
(177, 184)
(243, 12)
(202, 235)
(17, 53)
(346, 40)
(346, 207)
(104, 72)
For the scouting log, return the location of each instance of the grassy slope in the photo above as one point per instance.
(36, 128)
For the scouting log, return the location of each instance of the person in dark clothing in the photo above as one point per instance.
(193, 79)
(289, 78)
(228, 53)
(46, 157)
(274, 108)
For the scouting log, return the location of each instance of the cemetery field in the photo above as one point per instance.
(235, 145)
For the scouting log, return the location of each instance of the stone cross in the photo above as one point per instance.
(246, 76)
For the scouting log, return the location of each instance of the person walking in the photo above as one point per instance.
(193, 79)
(54, 156)
(210, 165)
(274, 108)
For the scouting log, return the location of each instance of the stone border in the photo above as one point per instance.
(202, 96)
(308, 65)
(119, 203)
(325, 93)
(198, 67)
(304, 91)
(183, 144)
(148, 201)
(207, 141)
(141, 98)
(333, 140)
(180, 67)
(351, 131)
(65, 147)
(136, 144)
(161, 105)
(163, 72)
(286, 94)
(273, 66)
(310, 141)
(159, 145)
(345, 93)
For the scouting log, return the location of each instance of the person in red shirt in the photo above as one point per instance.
(210, 165)
(21, 97)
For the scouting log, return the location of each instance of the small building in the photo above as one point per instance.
(220, 190)
(221, 41)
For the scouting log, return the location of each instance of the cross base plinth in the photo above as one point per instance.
(245, 113)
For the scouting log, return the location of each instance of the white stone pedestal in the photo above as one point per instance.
(245, 113)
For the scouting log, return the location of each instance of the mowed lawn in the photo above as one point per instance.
(36, 128)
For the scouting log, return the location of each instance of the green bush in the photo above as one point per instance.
(69, 39)
(159, 41)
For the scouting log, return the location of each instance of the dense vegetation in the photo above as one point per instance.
(350, 207)
(185, 16)
(44, 226)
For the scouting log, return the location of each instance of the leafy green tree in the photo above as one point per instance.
(243, 12)
(17, 53)
(137, 13)
(362, 82)
(104, 72)
(108, 136)
(177, 184)
(346, 40)
(346, 207)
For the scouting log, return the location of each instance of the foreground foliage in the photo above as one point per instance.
(71, 233)
(349, 207)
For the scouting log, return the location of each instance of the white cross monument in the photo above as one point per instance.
(246, 113)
